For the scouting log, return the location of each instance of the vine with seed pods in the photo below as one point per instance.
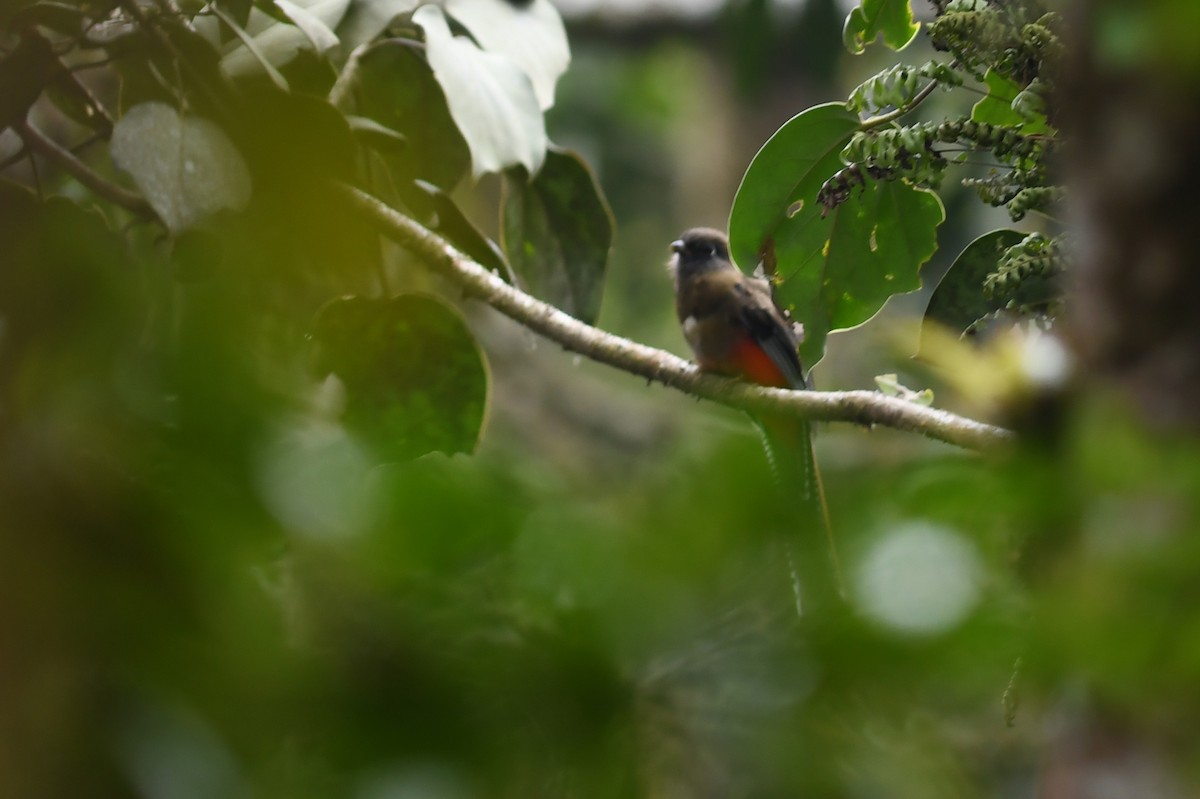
(1010, 51)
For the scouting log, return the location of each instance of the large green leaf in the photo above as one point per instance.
(186, 167)
(366, 19)
(414, 376)
(23, 74)
(892, 18)
(958, 299)
(833, 271)
(396, 88)
(491, 98)
(557, 233)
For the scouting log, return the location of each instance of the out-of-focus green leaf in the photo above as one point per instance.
(296, 138)
(63, 18)
(530, 33)
(186, 168)
(557, 233)
(23, 74)
(65, 301)
(997, 107)
(414, 376)
(266, 42)
(397, 89)
(375, 135)
(890, 385)
(490, 98)
(958, 299)
(366, 19)
(832, 272)
(441, 214)
(74, 101)
(892, 18)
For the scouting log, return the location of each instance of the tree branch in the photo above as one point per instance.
(43, 145)
(860, 407)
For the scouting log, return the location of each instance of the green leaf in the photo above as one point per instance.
(366, 19)
(529, 33)
(267, 44)
(295, 139)
(892, 18)
(997, 107)
(185, 167)
(833, 272)
(448, 219)
(557, 231)
(61, 18)
(959, 299)
(397, 89)
(414, 376)
(23, 74)
(491, 98)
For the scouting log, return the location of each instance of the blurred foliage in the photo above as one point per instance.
(246, 549)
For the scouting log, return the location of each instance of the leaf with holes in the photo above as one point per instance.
(891, 18)
(557, 233)
(414, 376)
(835, 271)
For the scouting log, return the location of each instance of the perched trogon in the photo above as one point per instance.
(735, 328)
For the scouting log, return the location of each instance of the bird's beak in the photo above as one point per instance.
(677, 246)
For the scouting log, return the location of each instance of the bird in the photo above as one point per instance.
(735, 328)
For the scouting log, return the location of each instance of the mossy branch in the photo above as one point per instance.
(858, 407)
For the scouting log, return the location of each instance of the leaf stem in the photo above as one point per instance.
(859, 407)
(52, 151)
(893, 115)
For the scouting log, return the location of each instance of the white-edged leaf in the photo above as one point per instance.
(319, 34)
(278, 42)
(366, 19)
(490, 98)
(250, 49)
(532, 35)
(185, 167)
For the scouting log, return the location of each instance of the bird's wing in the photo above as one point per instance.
(768, 327)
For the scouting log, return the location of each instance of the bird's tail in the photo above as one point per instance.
(813, 560)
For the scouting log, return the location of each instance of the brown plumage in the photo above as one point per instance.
(729, 319)
(734, 327)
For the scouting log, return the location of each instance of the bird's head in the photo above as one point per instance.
(699, 250)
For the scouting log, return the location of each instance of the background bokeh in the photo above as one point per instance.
(210, 588)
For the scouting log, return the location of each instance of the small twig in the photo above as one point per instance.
(346, 79)
(52, 151)
(90, 65)
(37, 175)
(891, 116)
(859, 407)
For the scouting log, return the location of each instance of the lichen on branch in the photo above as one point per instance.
(858, 407)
